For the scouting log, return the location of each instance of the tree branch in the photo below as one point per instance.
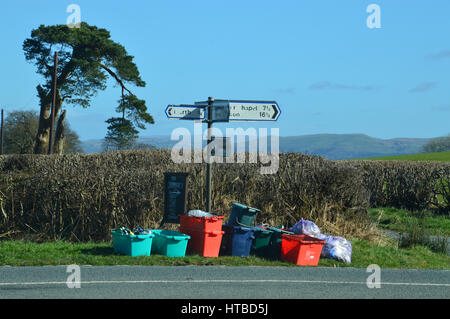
(116, 77)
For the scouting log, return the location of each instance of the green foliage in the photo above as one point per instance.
(121, 134)
(87, 56)
(416, 234)
(440, 144)
(135, 110)
(20, 132)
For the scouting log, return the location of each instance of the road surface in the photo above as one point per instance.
(211, 282)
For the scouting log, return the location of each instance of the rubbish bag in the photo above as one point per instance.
(337, 248)
(199, 213)
(306, 227)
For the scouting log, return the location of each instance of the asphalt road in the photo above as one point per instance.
(210, 282)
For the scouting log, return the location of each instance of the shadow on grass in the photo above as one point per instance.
(99, 251)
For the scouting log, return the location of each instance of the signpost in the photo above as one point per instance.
(175, 197)
(245, 110)
(185, 112)
(212, 111)
(259, 111)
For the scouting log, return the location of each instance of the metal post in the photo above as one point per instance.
(1, 135)
(208, 164)
(52, 127)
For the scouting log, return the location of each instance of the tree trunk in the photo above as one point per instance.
(60, 136)
(45, 121)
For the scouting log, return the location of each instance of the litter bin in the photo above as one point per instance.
(169, 243)
(242, 215)
(261, 243)
(132, 245)
(238, 240)
(301, 249)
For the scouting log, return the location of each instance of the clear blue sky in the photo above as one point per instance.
(318, 59)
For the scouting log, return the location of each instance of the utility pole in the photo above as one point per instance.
(52, 127)
(1, 135)
(208, 163)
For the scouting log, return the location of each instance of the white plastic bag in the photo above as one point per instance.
(337, 248)
(306, 227)
(199, 213)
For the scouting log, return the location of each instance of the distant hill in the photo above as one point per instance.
(331, 146)
(95, 146)
(347, 146)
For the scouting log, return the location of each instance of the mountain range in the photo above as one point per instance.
(330, 146)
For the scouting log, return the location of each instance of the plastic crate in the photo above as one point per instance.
(169, 243)
(274, 250)
(201, 223)
(132, 245)
(261, 243)
(301, 249)
(237, 241)
(204, 243)
(242, 215)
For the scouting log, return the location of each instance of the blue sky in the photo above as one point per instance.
(318, 59)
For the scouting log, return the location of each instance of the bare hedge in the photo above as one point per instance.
(82, 197)
(407, 184)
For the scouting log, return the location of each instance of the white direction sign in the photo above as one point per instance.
(244, 110)
(254, 111)
(185, 112)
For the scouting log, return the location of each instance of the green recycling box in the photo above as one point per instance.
(170, 243)
(242, 215)
(261, 243)
(132, 245)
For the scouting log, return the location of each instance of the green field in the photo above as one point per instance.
(438, 157)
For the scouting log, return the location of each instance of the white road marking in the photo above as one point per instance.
(220, 281)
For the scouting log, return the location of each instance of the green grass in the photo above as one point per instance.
(17, 253)
(400, 220)
(438, 156)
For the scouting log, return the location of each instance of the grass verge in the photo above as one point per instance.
(401, 220)
(17, 253)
